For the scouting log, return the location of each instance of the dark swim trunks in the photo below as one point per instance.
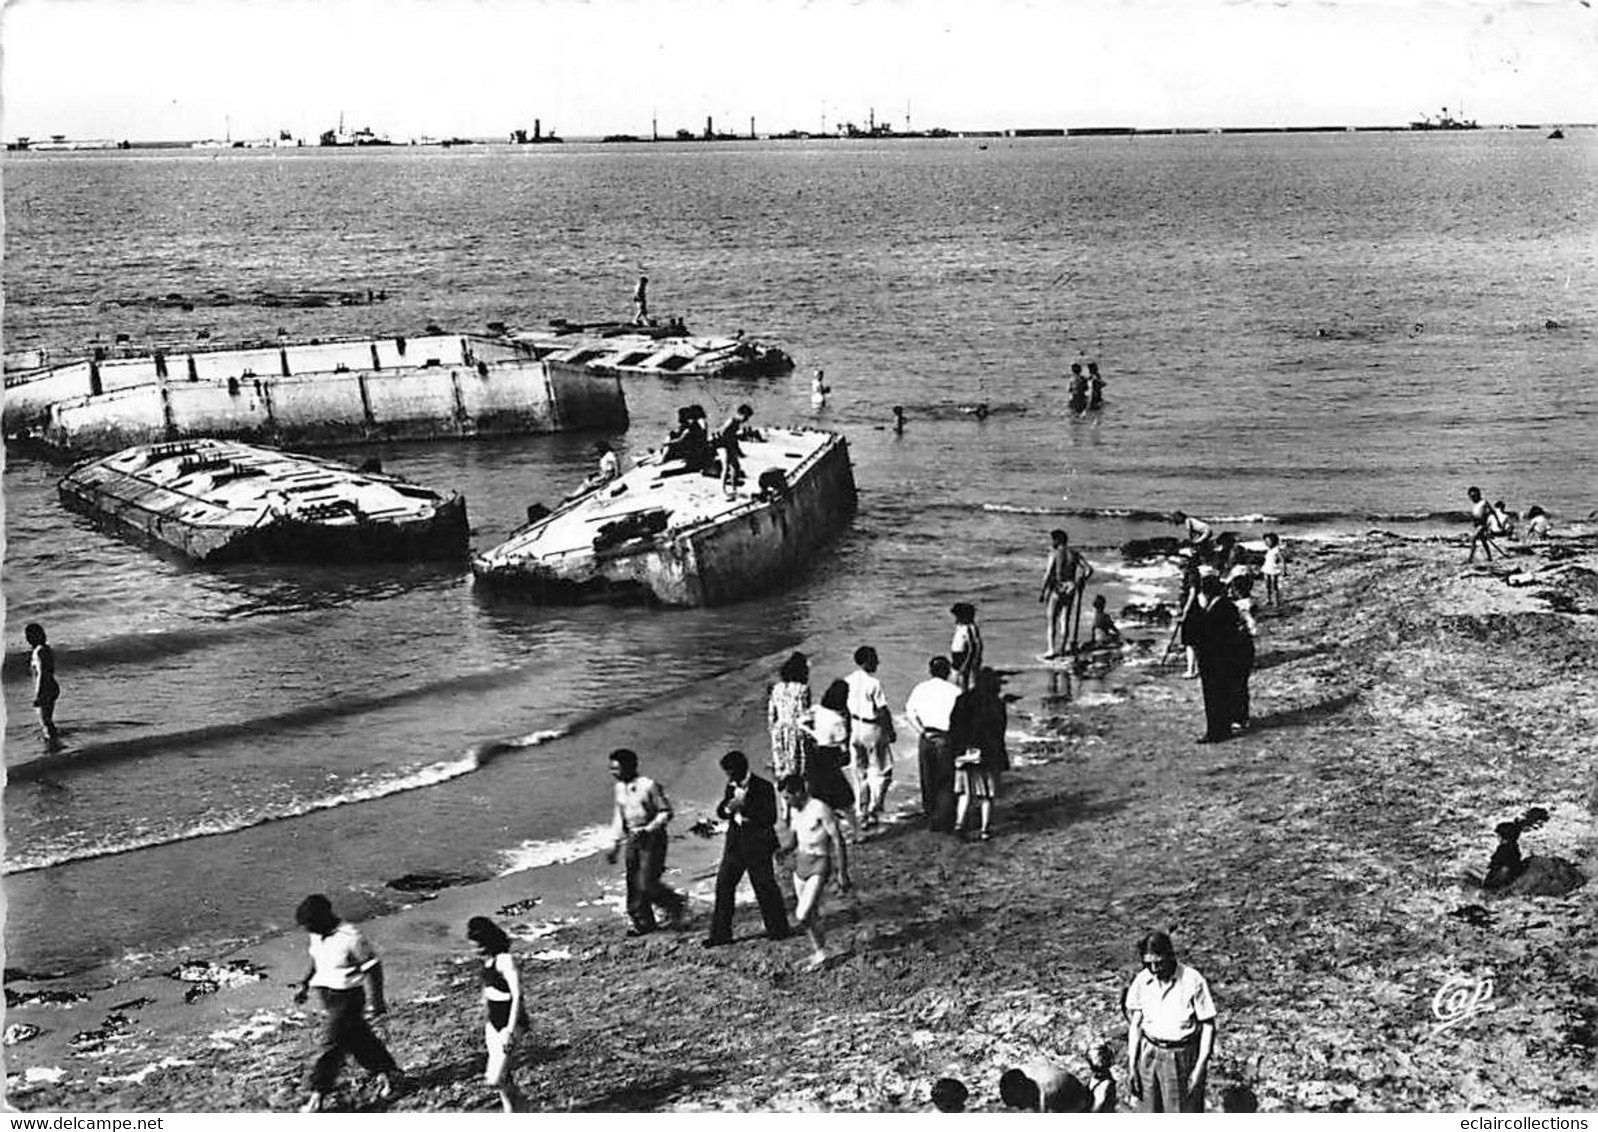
(807, 865)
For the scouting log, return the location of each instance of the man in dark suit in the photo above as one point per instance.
(750, 809)
(1218, 637)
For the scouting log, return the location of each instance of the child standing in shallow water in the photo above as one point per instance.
(1275, 566)
(41, 663)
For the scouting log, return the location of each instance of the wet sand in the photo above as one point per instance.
(1311, 868)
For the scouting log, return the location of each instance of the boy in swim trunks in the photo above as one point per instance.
(818, 853)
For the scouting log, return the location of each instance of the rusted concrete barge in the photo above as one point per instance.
(662, 533)
(439, 386)
(219, 501)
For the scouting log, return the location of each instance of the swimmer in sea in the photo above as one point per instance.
(1079, 389)
(819, 852)
(819, 390)
(898, 420)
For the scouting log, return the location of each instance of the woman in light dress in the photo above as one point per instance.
(787, 713)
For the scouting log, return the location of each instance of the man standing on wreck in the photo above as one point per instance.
(641, 302)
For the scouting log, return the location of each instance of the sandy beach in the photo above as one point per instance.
(1312, 869)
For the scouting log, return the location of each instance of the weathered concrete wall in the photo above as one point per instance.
(583, 399)
(29, 396)
(338, 408)
(767, 548)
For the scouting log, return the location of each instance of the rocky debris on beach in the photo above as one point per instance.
(1310, 868)
(15, 998)
(205, 977)
(431, 882)
(19, 1032)
(519, 907)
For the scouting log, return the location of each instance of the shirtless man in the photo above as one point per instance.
(1065, 577)
(641, 301)
(818, 853)
(1482, 519)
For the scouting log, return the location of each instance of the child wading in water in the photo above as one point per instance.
(1104, 630)
(41, 663)
(1275, 566)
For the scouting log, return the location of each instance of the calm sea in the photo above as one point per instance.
(1316, 334)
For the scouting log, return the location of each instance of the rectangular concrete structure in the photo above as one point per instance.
(435, 387)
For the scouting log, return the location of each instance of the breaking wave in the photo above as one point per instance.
(218, 823)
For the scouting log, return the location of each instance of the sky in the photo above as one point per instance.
(196, 69)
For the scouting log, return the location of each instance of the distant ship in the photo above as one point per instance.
(360, 137)
(1444, 122)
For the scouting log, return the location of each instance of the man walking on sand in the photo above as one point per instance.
(1483, 518)
(344, 968)
(1170, 1030)
(749, 807)
(871, 737)
(1064, 578)
(818, 854)
(642, 811)
(928, 709)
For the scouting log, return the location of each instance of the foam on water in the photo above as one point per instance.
(420, 779)
(538, 854)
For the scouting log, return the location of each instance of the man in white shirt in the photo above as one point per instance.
(1198, 531)
(1170, 1030)
(871, 737)
(928, 709)
(642, 811)
(343, 968)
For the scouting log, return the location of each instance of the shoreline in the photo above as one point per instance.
(964, 955)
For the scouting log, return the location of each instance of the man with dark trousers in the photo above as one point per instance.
(749, 808)
(929, 709)
(1218, 638)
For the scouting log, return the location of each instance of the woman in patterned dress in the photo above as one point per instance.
(787, 712)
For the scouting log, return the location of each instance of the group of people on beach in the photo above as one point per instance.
(831, 768)
(347, 975)
(1170, 1018)
(1492, 521)
(1216, 627)
(1169, 1011)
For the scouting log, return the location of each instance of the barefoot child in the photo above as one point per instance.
(1275, 566)
(41, 663)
